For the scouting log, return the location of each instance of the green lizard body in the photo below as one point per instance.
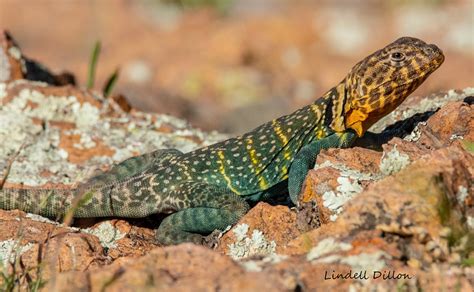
(210, 188)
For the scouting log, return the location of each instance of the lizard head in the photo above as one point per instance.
(380, 82)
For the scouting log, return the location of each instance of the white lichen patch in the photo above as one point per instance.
(256, 245)
(16, 129)
(461, 195)
(140, 135)
(11, 249)
(57, 108)
(85, 140)
(393, 161)
(327, 246)
(470, 222)
(415, 134)
(15, 52)
(240, 231)
(349, 185)
(3, 89)
(42, 154)
(107, 234)
(17, 82)
(257, 265)
(40, 218)
(456, 137)
(468, 91)
(39, 152)
(170, 120)
(366, 261)
(335, 201)
(41, 149)
(5, 67)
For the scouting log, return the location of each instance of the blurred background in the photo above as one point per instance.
(229, 65)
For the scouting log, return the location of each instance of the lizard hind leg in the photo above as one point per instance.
(208, 211)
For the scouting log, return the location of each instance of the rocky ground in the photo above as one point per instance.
(401, 218)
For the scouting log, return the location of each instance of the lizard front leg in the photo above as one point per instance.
(205, 208)
(306, 158)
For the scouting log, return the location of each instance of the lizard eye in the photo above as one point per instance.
(397, 57)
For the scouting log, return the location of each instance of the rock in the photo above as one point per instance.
(122, 102)
(360, 159)
(411, 219)
(120, 239)
(277, 223)
(15, 66)
(40, 244)
(417, 201)
(455, 121)
(10, 56)
(179, 268)
(338, 176)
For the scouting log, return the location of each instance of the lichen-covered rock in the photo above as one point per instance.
(276, 224)
(64, 134)
(455, 121)
(121, 239)
(401, 218)
(44, 248)
(411, 208)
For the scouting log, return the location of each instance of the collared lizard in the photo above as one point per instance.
(211, 187)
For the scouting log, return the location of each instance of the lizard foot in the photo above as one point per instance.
(308, 216)
(212, 240)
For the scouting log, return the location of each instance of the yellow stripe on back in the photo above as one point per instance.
(283, 138)
(222, 171)
(253, 158)
(277, 129)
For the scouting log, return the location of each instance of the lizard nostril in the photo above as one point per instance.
(435, 53)
(428, 50)
(432, 49)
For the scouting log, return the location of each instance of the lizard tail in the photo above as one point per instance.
(45, 202)
(53, 203)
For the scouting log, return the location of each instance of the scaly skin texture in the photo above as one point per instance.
(210, 188)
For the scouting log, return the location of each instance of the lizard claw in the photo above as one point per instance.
(212, 240)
